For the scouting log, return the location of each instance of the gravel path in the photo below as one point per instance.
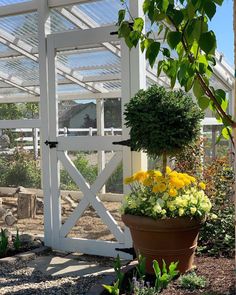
(22, 280)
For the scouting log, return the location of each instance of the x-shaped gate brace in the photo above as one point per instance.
(90, 195)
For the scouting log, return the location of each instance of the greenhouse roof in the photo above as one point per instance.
(82, 72)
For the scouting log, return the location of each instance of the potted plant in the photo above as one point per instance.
(165, 209)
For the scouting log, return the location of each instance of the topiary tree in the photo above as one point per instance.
(162, 122)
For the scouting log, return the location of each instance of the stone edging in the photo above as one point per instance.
(24, 257)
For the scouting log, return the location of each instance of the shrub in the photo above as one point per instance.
(217, 236)
(21, 169)
(190, 159)
(192, 281)
(162, 122)
(115, 182)
(88, 171)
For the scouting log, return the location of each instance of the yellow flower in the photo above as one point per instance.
(181, 211)
(173, 192)
(157, 173)
(140, 176)
(177, 182)
(159, 188)
(193, 210)
(162, 187)
(129, 180)
(202, 185)
(168, 170)
(147, 182)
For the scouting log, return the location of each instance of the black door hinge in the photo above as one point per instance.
(130, 251)
(116, 32)
(52, 144)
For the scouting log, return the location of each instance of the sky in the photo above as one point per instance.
(222, 25)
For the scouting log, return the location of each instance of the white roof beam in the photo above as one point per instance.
(26, 50)
(16, 82)
(65, 96)
(18, 8)
(90, 23)
(58, 3)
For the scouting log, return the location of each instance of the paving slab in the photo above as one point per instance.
(67, 266)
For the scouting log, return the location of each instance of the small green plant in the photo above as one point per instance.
(138, 285)
(141, 267)
(17, 242)
(115, 289)
(192, 281)
(164, 276)
(3, 243)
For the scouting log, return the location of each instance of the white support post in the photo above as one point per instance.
(53, 134)
(137, 81)
(100, 132)
(133, 66)
(36, 142)
(43, 19)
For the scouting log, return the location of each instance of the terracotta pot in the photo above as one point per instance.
(171, 239)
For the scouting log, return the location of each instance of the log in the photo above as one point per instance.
(26, 205)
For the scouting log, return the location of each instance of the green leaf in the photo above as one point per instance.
(219, 2)
(164, 5)
(138, 24)
(173, 39)
(164, 270)
(166, 52)
(210, 8)
(134, 37)
(121, 16)
(207, 42)
(177, 16)
(152, 52)
(190, 10)
(226, 131)
(146, 6)
(203, 102)
(156, 268)
(124, 29)
(197, 89)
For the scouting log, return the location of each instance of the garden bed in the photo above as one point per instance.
(218, 273)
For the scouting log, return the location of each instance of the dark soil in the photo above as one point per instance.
(219, 273)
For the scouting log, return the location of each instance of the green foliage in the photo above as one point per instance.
(192, 281)
(141, 267)
(115, 182)
(17, 242)
(139, 287)
(20, 169)
(162, 121)
(88, 171)
(189, 160)
(184, 27)
(217, 236)
(164, 276)
(3, 243)
(113, 289)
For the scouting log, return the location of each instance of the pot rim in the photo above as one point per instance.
(170, 223)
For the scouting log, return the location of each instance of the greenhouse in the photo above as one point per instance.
(65, 78)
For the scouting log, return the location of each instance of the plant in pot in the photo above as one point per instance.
(165, 209)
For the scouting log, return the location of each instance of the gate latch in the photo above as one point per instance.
(52, 144)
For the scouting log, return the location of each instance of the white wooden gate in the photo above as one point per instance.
(58, 153)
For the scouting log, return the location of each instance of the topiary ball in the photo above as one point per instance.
(162, 121)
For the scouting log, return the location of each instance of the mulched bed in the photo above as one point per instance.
(219, 272)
